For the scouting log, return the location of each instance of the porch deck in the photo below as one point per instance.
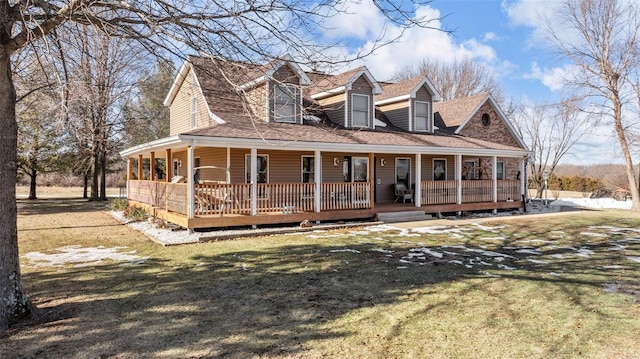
(229, 205)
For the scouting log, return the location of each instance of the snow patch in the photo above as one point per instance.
(83, 257)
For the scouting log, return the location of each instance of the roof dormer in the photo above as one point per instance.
(348, 98)
(408, 104)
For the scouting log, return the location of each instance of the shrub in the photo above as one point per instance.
(135, 213)
(118, 204)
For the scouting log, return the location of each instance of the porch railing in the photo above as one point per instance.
(222, 199)
(509, 190)
(345, 195)
(473, 191)
(477, 191)
(285, 197)
(439, 192)
(170, 196)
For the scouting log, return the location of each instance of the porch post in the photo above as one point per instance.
(523, 178)
(254, 181)
(129, 173)
(317, 172)
(190, 183)
(459, 179)
(372, 184)
(168, 165)
(139, 167)
(228, 165)
(494, 177)
(152, 166)
(418, 182)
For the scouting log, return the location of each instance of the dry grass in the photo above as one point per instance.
(304, 296)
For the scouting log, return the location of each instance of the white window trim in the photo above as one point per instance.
(433, 168)
(475, 175)
(193, 112)
(367, 117)
(427, 118)
(176, 167)
(504, 170)
(245, 166)
(353, 168)
(313, 168)
(396, 169)
(286, 87)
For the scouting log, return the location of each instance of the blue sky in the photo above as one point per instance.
(505, 35)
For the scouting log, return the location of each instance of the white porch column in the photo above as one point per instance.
(228, 165)
(459, 179)
(418, 182)
(191, 185)
(129, 173)
(523, 178)
(494, 177)
(317, 172)
(254, 181)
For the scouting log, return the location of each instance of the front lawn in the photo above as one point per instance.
(536, 287)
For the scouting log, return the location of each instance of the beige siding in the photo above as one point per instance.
(257, 101)
(180, 109)
(397, 113)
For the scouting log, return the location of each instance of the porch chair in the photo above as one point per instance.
(402, 192)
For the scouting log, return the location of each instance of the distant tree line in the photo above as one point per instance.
(572, 183)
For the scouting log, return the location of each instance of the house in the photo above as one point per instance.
(253, 145)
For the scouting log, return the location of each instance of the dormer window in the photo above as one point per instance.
(284, 103)
(359, 110)
(422, 116)
(194, 112)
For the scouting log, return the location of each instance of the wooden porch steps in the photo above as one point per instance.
(404, 216)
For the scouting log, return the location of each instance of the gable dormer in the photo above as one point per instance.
(274, 91)
(188, 105)
(409, 104)
(348, 98)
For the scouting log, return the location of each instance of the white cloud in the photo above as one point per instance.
(415, 44)
(553, 78)
(531, 13)
(356, 19)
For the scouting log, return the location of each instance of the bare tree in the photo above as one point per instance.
(457, 78)
(550, 130)
(146, 116)
(239, 30)
(600, 38)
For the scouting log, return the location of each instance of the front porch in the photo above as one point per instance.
(228, 205)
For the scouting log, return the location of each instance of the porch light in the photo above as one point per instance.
(336, 161)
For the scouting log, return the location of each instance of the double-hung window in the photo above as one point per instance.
(308, 169)
(359, 110)
(422, 116)
(500, 171)
(284, 103)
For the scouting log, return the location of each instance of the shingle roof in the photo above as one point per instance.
(321, 83)
(391, 90)
(224, 102)
(455, 112)
(246, 128)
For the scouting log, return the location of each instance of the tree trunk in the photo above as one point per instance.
(103, 175)
(32, 184)
(624, 147)
(86, 186)
(94, 174)
(13, 302)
